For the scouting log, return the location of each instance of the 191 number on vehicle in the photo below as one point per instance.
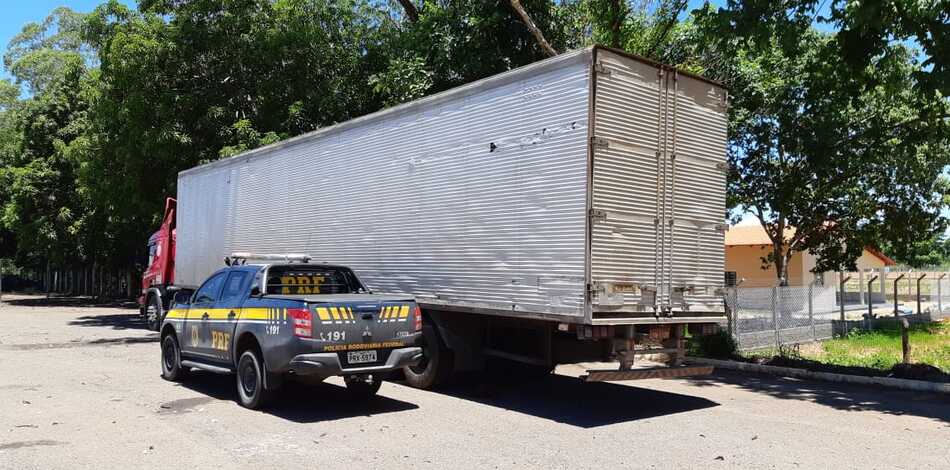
(332, 336)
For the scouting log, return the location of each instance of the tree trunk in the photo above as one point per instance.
(538, 35)
(615, 23)
(781, 264)
(411, 11)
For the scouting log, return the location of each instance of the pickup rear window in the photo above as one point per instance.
(300, 280)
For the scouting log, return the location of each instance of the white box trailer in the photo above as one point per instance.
(587, 189)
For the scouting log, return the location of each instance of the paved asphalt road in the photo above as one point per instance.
(80, 388)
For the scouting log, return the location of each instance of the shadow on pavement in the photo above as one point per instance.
(153, 338)
(298, 402)
(567, 400)
(839, 396)
(121, 321)
(40, 301)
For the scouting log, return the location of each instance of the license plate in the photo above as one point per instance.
(360, 357)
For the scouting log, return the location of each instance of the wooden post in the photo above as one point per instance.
(905, 341)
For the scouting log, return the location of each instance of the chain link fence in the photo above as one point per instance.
(770, 317)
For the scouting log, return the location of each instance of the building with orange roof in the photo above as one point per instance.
(746, 245)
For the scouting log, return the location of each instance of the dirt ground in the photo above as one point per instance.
(80, 388)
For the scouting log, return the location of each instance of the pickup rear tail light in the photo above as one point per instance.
(303, 322)
(417, 318)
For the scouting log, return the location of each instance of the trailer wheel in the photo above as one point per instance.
(154, 313)
(436, 365)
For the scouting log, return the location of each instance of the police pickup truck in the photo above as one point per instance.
(269, 322)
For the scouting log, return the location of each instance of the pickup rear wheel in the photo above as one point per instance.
(171, 359)
(250, 380)
(436, 365)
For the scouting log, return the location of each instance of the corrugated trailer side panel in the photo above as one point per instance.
(475, 197)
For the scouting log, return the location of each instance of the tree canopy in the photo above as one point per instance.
(839, 131)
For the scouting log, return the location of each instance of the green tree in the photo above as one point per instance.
(41, 207)
(844, 160)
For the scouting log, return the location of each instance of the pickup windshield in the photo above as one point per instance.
(299, 280)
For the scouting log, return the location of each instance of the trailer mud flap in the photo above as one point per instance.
(650, 373)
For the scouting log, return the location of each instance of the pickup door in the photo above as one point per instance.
(212, 316)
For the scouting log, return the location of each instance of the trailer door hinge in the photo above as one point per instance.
(599, 142)
(722, 166)
(601, 69)
(598, 215)
(722, 227)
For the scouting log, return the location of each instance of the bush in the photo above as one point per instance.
(717, 345)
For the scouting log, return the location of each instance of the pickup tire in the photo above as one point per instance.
(154, 313)
(250, 380)
(436, 365)
(171, 359)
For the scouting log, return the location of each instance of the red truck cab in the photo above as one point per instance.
(160, 274)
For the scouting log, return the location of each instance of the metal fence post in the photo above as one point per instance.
(861, 287)
(940, 292)
(841, 294)
(895, 293)
(776, 302)
(811, 312)
(922, 276)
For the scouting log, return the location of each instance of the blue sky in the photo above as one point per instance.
(17, 13)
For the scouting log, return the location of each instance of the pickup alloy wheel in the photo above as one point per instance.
(250, 380)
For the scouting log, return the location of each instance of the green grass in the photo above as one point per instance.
(881, 348)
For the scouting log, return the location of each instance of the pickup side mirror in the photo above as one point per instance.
(255, 291)
(182, 297)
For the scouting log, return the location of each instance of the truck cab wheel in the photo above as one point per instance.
(154, 313)
(361, 388)
(250, 380)
(435, 367)
(171, 359)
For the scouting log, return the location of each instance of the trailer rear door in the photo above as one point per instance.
(658, 190)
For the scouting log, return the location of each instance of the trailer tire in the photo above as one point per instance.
(436, 366)
(154, 313)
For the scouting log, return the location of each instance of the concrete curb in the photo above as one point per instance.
(903, 384)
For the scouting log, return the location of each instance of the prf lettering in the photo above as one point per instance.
(301, 284)
(220, 340)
